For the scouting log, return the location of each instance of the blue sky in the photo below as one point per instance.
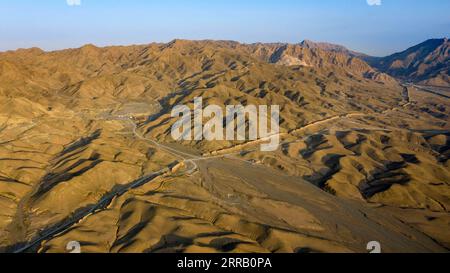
(378, 29)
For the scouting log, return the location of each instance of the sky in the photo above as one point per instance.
(376, 27)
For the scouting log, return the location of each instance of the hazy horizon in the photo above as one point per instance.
(378, 28)
(165, 42)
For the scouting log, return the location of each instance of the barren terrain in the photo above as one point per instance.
(86, 153)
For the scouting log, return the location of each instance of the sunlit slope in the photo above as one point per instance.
(86, 153)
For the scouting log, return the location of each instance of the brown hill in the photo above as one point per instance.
(427, 63)
(332, 48)
(86, 153)
(318, 55)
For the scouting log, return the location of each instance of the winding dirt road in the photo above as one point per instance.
(189, 161)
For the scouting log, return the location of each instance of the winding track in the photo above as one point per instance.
(431, 91)
(106, 200)
(186, 159)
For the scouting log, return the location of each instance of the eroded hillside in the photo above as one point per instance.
(86, 153)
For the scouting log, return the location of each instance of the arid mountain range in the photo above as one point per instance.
(86, 152)
(426, 63)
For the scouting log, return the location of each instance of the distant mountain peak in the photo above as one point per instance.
(324, 46)
(332, 48)
(427, 63)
